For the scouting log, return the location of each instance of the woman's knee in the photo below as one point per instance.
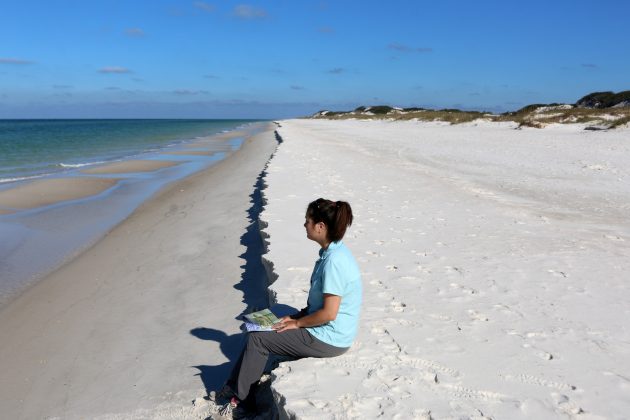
(255, 342)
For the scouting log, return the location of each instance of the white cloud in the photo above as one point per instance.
(406, 48)
(114, 70)
(9, 60)
(245, 11)
(135, 32)
(204, 6)
(190, 92)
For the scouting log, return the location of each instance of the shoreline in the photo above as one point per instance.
(76, 209)
(145, 317)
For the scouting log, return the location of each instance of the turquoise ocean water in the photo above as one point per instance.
(32, 148)
(35, 241)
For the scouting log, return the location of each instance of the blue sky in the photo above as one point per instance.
(283, 58)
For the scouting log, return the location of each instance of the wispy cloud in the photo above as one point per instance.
(245, 11)
(326, 30)
(112, 88)
(210, 76)
(202, 5)
(62, 86)
(134, 32)
(297, 87)
(336, 70)
(190, 92)
(114, 70)
(590, 65)
(10, 60)
(405, 48)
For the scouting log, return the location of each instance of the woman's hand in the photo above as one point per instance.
(286, 323)
(320, 317)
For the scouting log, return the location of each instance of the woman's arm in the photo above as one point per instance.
(300, 314)
(326, 314)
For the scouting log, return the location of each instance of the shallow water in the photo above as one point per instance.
(33, 148)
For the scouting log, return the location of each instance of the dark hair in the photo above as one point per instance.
(336, 215)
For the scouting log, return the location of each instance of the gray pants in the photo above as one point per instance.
(295, 344)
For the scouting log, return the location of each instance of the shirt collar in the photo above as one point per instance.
(323, 253)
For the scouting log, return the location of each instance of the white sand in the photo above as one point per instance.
(495, 264)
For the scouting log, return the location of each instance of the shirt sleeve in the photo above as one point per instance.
(334, 278)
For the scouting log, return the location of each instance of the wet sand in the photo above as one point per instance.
(50, 191)
(131, 166)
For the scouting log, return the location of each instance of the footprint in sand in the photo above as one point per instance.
(450, 270)
(564, 404)
(423, 269)
(465, 289)
(397, 306)
(534, 380)
(376, 283)
(374, 253)
(507, 310)
(558, 273)
(476, 316)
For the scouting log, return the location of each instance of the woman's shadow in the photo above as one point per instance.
(213, 377)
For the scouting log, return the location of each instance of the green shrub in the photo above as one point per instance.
(380, 109)
(603, 99)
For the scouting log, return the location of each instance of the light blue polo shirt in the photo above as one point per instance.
(336, 273)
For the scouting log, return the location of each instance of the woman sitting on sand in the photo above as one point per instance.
(328, 324)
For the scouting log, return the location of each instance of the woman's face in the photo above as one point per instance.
(315, 231)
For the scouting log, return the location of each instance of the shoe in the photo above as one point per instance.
(231, 409)
(223, 396)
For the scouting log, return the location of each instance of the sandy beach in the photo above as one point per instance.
(143, 322)
(494, 263)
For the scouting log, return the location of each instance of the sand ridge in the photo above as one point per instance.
(44, 192)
